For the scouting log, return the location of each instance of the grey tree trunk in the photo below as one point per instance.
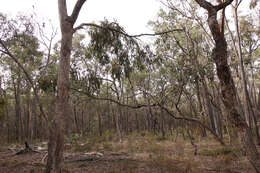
(57, 127)
(250, 115)
(17, 94)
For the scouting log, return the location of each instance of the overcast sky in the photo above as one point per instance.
(132, 14)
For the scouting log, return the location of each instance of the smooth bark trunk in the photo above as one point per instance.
(57, 127)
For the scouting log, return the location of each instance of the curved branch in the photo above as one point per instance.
(138, 106)
(76, 10)
(191, 120)
(205, 4)
(81, 26)
(223, 5)
(208, 6)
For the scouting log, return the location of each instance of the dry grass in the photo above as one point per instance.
(136, 154)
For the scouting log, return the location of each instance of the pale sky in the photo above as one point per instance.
(133, 15)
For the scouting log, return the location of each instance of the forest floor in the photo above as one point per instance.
(135, 154)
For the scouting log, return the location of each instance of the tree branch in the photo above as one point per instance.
(204, 4)
(208, 6)
(76, 10)
(81, 26)
(197, 121)
(223, 5)
(138, 106)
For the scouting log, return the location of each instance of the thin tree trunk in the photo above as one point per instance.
(100, 128)
(249, 107)
(17, 95)
(34, 116)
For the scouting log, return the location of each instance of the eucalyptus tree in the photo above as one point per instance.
(187, 63)
(107, 61)
(250, 43)
(57, 128)
(228, 89)
(100, 45)
(21, 56)
(248, 105)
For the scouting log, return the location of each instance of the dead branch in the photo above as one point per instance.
(27, 149)
(99, 159)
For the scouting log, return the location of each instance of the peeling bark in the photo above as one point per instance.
(228, 89)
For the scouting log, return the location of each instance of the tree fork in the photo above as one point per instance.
(227, 85)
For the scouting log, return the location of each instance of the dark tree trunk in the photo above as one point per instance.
(227, 85)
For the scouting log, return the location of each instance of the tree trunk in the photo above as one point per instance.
(57, 127)
(100, 127)
(227, 86)
(248, 106)
(17, 94)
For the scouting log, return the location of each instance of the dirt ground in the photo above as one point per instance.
(130, 156)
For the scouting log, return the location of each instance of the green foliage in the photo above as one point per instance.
(110, 45)
(47, 83)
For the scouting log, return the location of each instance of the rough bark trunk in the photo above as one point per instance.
(227, 85)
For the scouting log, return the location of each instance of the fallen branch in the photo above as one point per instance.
(27, 149)
(222, 170)
(44, 158)
(98, 159)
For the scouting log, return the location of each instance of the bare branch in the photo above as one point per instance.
(209, 7)
(223, 5)
(122, 32)
(204, 4)
(197, 121)
(138, 106)
(76, 10)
